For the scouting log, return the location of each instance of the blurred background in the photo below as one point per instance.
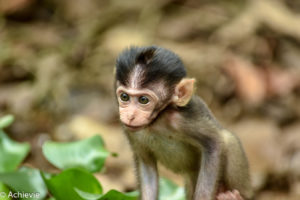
(56, 75)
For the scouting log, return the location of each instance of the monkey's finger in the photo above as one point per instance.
(237, 194)
(221, 196)
(226, 196)
(233, 196)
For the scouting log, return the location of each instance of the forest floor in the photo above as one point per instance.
(56, 75)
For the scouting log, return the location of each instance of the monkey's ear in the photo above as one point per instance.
(184, 91)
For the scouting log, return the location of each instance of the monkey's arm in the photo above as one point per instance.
(204, 132)
(210, 171)
(146, 169)
(148, 178)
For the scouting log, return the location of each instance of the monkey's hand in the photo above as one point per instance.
(230, 195)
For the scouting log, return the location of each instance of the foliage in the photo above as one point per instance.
(88, 154)
(25, 179)
(77, 160)
(170, 191)
(6, 121)
(71, 183)
(11, 153)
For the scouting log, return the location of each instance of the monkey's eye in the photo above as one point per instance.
(124, 97)
(143, 100)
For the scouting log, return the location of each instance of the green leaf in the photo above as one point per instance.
(88, 154)
(66, 184)
(170, 191)
(6, 121)
(111, 195)
(25, 180)
(86, 195)
(115, 195)
(4, 192)
(11, 153)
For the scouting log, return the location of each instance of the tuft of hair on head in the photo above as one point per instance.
(125, 64)
(157, 64)
(161, 64)
(146, 56)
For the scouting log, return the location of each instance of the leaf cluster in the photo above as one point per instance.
(77, 161)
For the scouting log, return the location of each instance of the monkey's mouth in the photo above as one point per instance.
(133, 128)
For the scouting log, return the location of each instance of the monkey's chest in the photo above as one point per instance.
(174, 154)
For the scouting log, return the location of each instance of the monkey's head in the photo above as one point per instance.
(147, 80)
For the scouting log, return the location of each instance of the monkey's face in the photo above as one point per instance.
(136, 106)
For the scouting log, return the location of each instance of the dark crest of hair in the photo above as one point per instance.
(157, 63)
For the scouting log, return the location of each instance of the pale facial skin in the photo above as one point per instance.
(136, 106)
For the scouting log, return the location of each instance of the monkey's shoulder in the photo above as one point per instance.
(197, 110)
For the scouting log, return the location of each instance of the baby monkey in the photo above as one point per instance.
(164, 121)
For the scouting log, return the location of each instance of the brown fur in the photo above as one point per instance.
(185, 137)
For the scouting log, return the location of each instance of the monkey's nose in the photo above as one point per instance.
(131, 117)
